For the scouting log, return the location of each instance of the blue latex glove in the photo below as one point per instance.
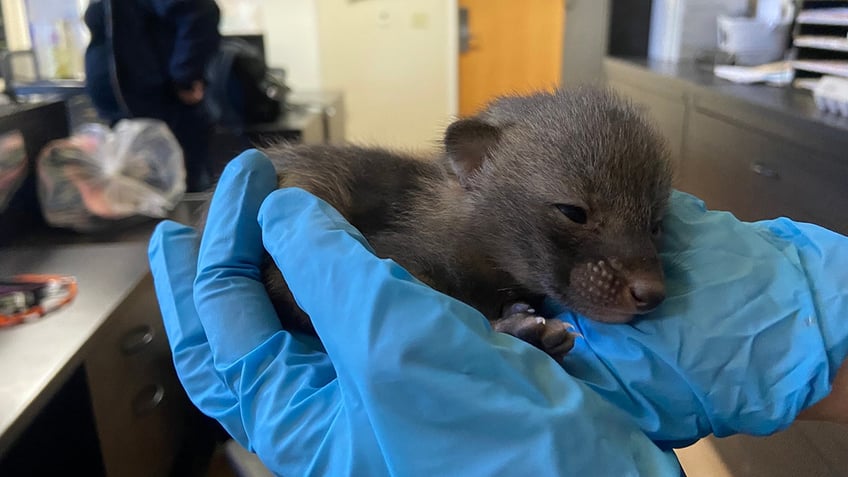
(408, 382)
(753, 330)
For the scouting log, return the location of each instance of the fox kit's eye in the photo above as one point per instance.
(656, 229)
(574, 213)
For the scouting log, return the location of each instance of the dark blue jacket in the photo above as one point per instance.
(142, 51)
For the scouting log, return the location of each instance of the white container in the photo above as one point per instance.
(753, 41)
(680, 29)
(775, 11)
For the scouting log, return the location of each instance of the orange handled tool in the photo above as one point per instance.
(30, 296)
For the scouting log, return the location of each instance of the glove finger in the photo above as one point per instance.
(318, 250)
(172, 254)
(231, 300)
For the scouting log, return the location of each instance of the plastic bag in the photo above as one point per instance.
(99, 176)
(13, 166)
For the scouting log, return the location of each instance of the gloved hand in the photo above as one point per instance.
(753, 330)
(408, 381)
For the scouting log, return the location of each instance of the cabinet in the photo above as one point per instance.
(138, 404)
(667, 112)
(756, 151)
(758, 176)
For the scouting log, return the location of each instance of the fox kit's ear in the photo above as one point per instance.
(468, 143)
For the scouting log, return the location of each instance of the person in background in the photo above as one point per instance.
(146, 59)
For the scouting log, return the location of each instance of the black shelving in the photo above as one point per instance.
(819, 46)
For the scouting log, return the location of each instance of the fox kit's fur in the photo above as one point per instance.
(553, 194)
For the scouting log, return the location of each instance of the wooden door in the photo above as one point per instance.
(513, 46)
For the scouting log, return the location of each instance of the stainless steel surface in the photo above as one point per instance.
(36, 357)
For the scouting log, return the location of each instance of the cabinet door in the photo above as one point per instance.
(756, 176)
(139, 406)
(667, 113)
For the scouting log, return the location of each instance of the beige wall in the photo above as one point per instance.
(291, 34)
(395, 62)
(291, 37)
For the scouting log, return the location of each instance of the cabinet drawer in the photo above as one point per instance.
(139, 405)
(668, 114)
(756, 176)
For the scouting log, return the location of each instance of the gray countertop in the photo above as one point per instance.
(788, 106)
(36, 357)
(787, 100)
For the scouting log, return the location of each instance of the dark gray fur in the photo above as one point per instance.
(480, 222)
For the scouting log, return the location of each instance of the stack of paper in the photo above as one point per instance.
(779, 73)
(824, 16)
(828, 67)
(824, 42)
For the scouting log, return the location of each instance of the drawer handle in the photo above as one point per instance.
(763, 170)
(148, 399)
(137, 339)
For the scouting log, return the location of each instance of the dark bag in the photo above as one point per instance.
(242, 89)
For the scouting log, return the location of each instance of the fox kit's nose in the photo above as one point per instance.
(648, 292)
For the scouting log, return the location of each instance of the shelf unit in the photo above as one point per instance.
(819, 41)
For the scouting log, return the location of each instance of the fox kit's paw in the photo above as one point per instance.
(552, 336)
